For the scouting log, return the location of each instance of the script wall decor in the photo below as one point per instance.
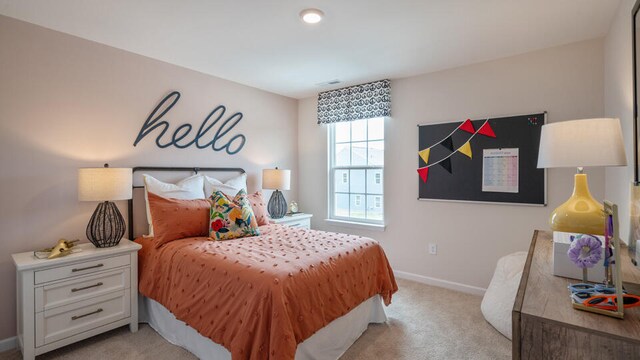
(207, 135)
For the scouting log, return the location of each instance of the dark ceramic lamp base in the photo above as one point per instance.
(277, 206)
(106, 227)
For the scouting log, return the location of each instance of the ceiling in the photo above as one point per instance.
(263, 43)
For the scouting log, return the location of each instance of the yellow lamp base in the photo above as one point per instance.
(581, 213)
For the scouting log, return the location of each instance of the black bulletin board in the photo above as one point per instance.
(464, 183)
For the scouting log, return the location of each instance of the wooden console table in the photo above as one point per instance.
(545, 326)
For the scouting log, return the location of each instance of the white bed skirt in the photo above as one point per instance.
(329, 343)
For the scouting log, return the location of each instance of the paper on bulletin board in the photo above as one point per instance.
(500, 170)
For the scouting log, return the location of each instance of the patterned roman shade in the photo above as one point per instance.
(357, 102)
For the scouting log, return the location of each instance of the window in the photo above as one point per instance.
(356, 170)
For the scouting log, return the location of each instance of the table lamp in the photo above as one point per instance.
(107, 226)
(581, 143)
(276, 179)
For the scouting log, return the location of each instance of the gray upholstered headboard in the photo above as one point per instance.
(137, 214)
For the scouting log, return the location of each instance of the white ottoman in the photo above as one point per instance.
(498, 300)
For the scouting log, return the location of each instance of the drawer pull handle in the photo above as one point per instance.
(86, 287)
(87, 314)
(87, 268)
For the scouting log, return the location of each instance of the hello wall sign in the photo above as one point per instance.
(208, 135)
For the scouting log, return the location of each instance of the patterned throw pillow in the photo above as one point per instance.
(231, 218)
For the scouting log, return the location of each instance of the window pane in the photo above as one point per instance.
(341, 205)
(376, 153)
(359, 130)
(343, 154)
(357, 182)
(357, 206)
(358, 193)
(374, 181)
(376, 129)
(341, 181)
(342, 131)
(375, 207)
(359, 153)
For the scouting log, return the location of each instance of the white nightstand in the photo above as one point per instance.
(298, 220)
(68, 299)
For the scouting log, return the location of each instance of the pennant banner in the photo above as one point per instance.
(424, 155)
(423, 172)
(447, 142)
(467, 126)
(486, 130)
(446, 164)
(466, 149)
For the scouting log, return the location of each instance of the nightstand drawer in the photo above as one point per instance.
(303, 223)
(81, 288)
(79, 269)
(65, 321)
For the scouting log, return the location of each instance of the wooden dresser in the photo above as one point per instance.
(545, 326)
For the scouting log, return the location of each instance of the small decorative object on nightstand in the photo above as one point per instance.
(293, 207)
(300, 220)
(71, 298)
(276, 179)
(106, 184)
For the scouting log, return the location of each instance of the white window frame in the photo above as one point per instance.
(331, 181)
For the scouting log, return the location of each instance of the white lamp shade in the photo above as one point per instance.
(582, 143)
(276, 179)
(104, 184)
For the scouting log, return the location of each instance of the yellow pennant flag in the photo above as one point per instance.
(466, 149)
(424, 154)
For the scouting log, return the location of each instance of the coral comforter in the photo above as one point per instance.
(261, 296)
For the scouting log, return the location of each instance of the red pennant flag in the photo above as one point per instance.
(486, 130)
(467, 126)
(423, 173)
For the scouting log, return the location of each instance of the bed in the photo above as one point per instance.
(287, 293)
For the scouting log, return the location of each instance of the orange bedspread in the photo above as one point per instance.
(261, 296)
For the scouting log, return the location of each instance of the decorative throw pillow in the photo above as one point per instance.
(259, 208)
(231, 186)
(175, 219)
(186, 189)
(231, 218)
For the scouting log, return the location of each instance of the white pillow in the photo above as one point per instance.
(498, 300)
(186, 189)
(231, 187)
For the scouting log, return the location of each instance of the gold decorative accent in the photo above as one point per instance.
(62, 248)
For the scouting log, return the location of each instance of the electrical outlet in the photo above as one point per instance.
(433, 249)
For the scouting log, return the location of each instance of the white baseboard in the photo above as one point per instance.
(440, 283)
(8, 344)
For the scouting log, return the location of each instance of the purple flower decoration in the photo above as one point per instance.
(585, 250)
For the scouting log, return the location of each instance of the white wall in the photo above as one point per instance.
(618, 102)
(566, 81)
(67, 103)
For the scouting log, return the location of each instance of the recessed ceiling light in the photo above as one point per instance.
(311, 16)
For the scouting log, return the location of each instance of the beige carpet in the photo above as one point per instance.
(425, 322)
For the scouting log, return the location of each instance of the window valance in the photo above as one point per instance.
(357, 102)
